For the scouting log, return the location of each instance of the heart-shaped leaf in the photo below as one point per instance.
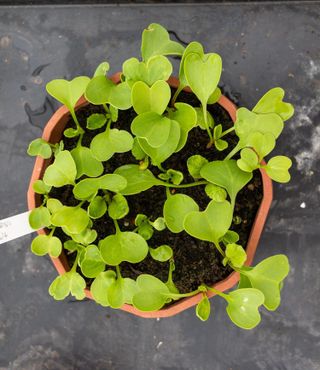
(152, 127)
(157, 68)
(100, 286)
(121, 292)
(272, 102)
(277, 168)
(227, 175)
(86, 237)
(194, 164)
(40, 187)
(123, 246)
(62, 171)
(68, 92)
(262, 143)
(96, 120)
(85, 162)
(156, 41)
(70, 282)
(162, 253)
(235, 254)
(39, 217)
(74, 219)
(104, 145)
(215, 192)
(193, 48)
(151, 294)
(92, 263)
(267, 276)
(97, 207)
(211, 224)
(40, 147)
(137, 180)
(46, 244)
(118, 207)
(248, 161)
(150, 99)
(102, 69)
(243, 307)
(203, 73)
(175, 209)
(203, 308)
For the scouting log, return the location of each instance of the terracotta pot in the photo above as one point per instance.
(53, 133)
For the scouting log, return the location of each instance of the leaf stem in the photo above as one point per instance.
(75, 264)
(73, 114)
(217, 245)
(182, 295)
(225, 296)
(79, 143)
(105, 107)
(227, 131)
(204, 109)
(178, 91)
(196, 183)
(233, 152)
(117, 226)
(118, 272)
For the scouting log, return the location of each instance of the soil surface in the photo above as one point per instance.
(196, 261)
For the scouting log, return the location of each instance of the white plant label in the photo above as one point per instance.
(13, 227)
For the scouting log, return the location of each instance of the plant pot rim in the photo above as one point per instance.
(61, 263)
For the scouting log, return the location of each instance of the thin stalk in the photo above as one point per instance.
(75, 264)
(227, 131)
(204, 109)
(73, 114)
(234, 151)
(217, 245)
(182, 186)
(118, 272)
(183, 295)
(178, 91)
(79, 143)
(168, 194)
(117, 226)
(225, 296)
(108, 126)
(105, 107)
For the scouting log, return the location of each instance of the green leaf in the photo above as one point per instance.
(71, 132)
(70, 282)
(235, 254)
(215, 192)
(226, 174)
(150, 99)
(203, 74)
(215, 96)
(248, 161)
(263, 144)
(211, 224)
(162, 253)
(186, 116)
(193, 47)
(86, 237)
(87, 188)
(203, 308)
(68, 92)
(123, 246)
(159, 224)
(137, 180)
(46, 244)
(85, 162)
(219, 143)
(97, 207)
(152, 293)
(40, 147)
(157, 68)
(137, 151)
(156, 41)
(72, 246)
(230, 237)
(121, 291)
(267, 276)
(144, 226)
(152, 127)
(96, 120)
(160, 154)
(118, 208)
(243, 307)
(175, 209)
(39, 217)
(272, 102)
(195, 163)
(92, 263)
(277, 168)
(102, 69)
(114, 113)
(40, 187)
(201, 121)
(73, 219)
(105, 144)
(173, 176)
(101, 90)
(62, 171)
(53, 205)
(100, 286)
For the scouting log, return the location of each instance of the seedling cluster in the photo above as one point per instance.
(160, 128)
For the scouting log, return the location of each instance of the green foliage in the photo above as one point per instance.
(201, 120)
(100, 286)
(102, 69)
(62, 171)
(46, 244)
(40, 147)
(235, 255)
(73, 219)
(92, 263)
(85, 162)
(215, 192)
(173, 176)
(69, 283)
(277, 168)
(39, 217)
(162, 253)
(118, 207)
(144, 227)
(96, 120)
(195, 163)
(218, 142)
(40, 187)
(175, 210)
(203, 308)
(156, 41)
(97, 207)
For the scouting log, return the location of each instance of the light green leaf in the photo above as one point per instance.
(39, 217)
(40, 187)
(272, 102)
(102, 69)
(248, 161)
(121, 291)
(150, 99)
(71, 132)
(96, 120)
(144, 226)
(227, 175)
(243, 307)
(100, 286)
(97, 207)
(85, 162)
(46, 244)
(70, 282)
(162, 253)
(211, 224)
(123, 246)
(62, 171)
(219, 143)
(92, 264)
(173, 176)
(53, 205)
(159, 224)
(118, 208)
(215, 96)
(137, 180)
(40, 147)
(156, 41)
(104, 145)
(235, 254)
(193, 47)
(203, 308)
(201, 121)
(86, 237)
(152, 127)
(215, 192)
(152, 293)
(194, 164)
(230, 237)
(137, 151)
(175, 209)
(73, 219)
(277, 168)
(263, 144)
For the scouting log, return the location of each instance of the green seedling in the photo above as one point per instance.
(100, 166)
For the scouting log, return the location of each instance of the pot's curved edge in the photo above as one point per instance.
(61, 264)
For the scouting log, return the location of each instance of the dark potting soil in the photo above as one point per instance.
(196, 261)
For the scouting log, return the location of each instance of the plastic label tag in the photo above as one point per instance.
(13, 227)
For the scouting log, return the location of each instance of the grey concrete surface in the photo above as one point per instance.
(262, 46)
